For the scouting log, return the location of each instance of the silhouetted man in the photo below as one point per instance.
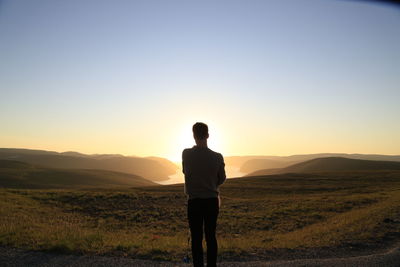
(204, 172)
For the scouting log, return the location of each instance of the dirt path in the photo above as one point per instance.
(16, 257)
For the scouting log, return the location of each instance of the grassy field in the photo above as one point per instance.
(259, 217)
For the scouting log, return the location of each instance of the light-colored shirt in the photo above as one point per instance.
(204, 172)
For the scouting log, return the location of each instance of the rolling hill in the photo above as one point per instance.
(259, 164)
(332, 164)
(16, 174)
(249, 164)
(151, 168)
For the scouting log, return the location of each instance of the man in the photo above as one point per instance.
(204, 172)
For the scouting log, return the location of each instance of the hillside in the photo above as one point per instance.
(15, 174)
(332, 164)
(259, 164)
(155, 169)
(249, 164)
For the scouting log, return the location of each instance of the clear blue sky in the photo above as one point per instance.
(271, 77)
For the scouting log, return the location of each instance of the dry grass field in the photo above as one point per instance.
(260, 217)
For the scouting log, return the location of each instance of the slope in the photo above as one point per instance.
(155, 169)
(332, 164)
(15, 174)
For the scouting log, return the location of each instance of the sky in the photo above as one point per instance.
(268, 77)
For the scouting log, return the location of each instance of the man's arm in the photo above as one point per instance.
(221, 172)
(183, 160)
(183, 170)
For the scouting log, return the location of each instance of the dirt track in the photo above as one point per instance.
(16, 257)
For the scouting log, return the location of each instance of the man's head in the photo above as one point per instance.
(200, 131)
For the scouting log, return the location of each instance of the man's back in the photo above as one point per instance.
(204, 172)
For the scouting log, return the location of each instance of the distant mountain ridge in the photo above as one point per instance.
(159, 169)
(16, 174)
(331, 164)
(259, 164)
(248, 164)
(151, 168)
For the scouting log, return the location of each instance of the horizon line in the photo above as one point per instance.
(225, 156)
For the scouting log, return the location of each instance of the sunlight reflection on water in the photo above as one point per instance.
(178, 178)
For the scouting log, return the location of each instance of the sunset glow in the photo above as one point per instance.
(268, 77)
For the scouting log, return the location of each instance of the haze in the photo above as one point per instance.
(131, 77)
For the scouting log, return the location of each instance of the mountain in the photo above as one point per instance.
(238, 161)
(155, 169)
(169, 165)
(259, 164)
(332, 164)
(250, 164)
(16, 174)
(74, 154)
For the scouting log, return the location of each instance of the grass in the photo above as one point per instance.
(259, 216)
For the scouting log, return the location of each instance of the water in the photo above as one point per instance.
(178, 178)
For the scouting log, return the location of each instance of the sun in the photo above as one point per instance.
(184, 139)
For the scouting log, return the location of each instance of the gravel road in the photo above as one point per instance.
(17, 257)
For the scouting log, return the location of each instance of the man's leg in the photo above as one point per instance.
(195, 218)
(210, 224)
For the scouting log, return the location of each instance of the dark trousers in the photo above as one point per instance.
(203, 212)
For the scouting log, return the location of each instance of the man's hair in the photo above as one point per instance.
(200, 130)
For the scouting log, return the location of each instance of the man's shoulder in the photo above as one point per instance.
(218, 155)
(186, 151)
